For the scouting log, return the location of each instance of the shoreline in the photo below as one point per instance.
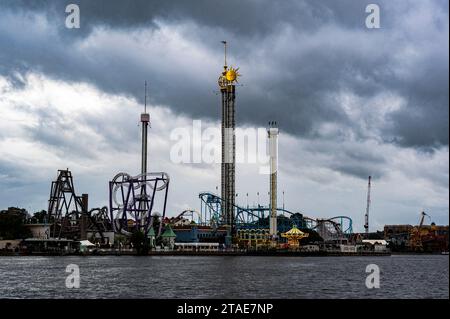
(255, 253)
(220, 253)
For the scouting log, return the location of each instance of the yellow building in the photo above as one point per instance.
(253, 237)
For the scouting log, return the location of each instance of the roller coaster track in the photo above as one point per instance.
(190, 212)
(244, 217)
(210, 199)
(338, 226)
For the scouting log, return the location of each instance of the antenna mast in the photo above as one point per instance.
(145, 98)
(366, 224)
(225, 48)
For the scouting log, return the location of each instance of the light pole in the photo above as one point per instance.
(247, 200)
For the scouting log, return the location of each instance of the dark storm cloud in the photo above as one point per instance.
(248, 18)
(297, 57)
(425, 124)
(360, 166)
(360, 160)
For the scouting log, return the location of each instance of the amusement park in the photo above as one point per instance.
(136, 219)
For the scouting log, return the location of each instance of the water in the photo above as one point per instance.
(403, 276)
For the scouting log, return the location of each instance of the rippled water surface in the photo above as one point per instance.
(224, 277)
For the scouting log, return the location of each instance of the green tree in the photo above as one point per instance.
(40, 217)
(12, 224)
(139, 242)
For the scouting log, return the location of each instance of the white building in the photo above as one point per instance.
(197, 246)
(41, 231)
(379, 245)
(309, 248)
(348, 248)
(108, 237)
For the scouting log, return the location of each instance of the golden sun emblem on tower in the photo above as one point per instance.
(232, 75)
(229, 76)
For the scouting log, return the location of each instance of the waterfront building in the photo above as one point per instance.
(168, 237)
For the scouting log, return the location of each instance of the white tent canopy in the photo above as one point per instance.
(375, 241)
(86, 243)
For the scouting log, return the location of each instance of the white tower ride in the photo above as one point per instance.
(145, 120)
(273, 153)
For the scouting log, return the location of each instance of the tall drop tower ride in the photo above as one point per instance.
(272, 132)
(226, 82)
(145, 120)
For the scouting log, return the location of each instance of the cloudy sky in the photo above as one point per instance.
(350, 101)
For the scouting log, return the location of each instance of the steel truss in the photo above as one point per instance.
(68, 216)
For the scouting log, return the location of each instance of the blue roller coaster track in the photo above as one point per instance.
(258, 217)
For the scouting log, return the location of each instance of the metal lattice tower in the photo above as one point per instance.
(228, 152)
(228, 92)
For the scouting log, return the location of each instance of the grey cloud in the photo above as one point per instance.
(289, 76)
(248, 18)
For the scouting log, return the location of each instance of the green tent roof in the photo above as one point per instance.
(151, 232)
(168, 232)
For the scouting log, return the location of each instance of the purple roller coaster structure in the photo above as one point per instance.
(133, 197)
